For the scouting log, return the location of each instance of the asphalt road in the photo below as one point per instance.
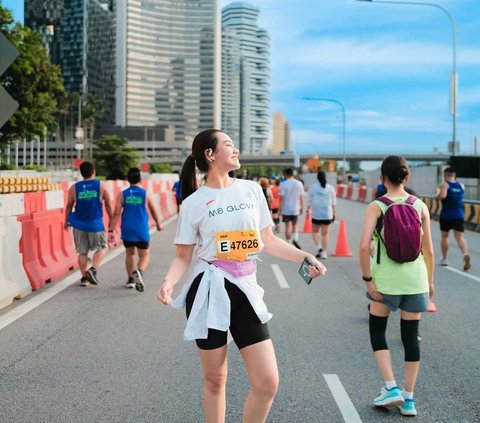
(107, 354)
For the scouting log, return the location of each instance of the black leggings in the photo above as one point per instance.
(245, 326)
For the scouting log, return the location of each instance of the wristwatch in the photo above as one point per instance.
(367, 278)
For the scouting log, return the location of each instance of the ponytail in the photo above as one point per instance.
(188, 177)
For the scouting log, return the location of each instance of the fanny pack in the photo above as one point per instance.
(237, 268)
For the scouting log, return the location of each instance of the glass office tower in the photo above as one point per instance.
(168, 65)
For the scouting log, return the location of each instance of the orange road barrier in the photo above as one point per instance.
(342, 250)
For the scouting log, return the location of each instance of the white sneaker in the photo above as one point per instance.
(444, 262)
(138, 279)
(130, 284)
(323, 255)
(389, 398)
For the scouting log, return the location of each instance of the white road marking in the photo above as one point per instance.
(279, 275)
(348, 410)
(53, 289)
(462, 272)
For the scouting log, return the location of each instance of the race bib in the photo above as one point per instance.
(237, 245)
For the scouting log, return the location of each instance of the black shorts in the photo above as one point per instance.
(322, 221)
(289, 218)
(141, 245)
(455, 224)
(274, 211)
(245, 326)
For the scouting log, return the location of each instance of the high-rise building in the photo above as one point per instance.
(231, 84)
(168, 66)
(254, 115)
(80, 38)
(280, 134)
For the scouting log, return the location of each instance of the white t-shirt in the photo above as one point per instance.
(321, 201)
(291, 190)
(240, 206)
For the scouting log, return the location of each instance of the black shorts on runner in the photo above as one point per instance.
(455, 224)
(245, 326)
(289, 218)
(141, 245)
(322, 221)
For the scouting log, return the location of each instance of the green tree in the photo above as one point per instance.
(32, 81)
(161, 168)
(92, 108)
(113, 158)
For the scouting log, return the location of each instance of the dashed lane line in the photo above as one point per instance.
(28, 305)
(279, 275)
(348, 410)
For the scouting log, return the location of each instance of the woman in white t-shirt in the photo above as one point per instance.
(229, 222)
(322, 203)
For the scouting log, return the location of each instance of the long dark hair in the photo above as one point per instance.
(203, 141)
(395, 168)
(322, 178)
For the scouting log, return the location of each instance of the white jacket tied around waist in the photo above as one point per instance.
(211, 306)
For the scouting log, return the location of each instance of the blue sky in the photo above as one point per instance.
(388, 64)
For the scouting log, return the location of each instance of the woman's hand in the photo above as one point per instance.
(164, 293)
(317, 270)
(372, 291)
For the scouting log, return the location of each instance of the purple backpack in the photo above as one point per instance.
(402, 230)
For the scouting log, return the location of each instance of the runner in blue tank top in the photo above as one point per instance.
(134, 227)
(86, 198)
(452, 215)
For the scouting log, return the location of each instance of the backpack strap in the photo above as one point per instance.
(411, 199)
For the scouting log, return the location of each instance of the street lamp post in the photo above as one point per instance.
(342, 109)
(454, 75)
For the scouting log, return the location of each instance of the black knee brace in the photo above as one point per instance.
(378, 326)
(276, 220)
(409, 331)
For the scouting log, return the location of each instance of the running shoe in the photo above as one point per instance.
(296, 244)
(408, 409)
(319, 253)
(444, 262)
(389, 398)
(323, 255)
(84, 281)
(91, 275)
(138, 279)
(466, 262)
(130, 283)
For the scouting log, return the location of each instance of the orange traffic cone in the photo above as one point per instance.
(431, 307)
(307, 224)
(342, 249)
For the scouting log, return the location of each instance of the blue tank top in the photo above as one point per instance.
(88, 212)
(452, 204)
(134, 215)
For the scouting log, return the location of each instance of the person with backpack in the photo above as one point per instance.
(398, 275)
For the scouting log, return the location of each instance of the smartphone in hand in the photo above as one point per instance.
(304, 272)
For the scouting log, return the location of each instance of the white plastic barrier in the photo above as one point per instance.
(355, 193)
(12, 204)
(13, 280)
(13, 266)
(54, 200)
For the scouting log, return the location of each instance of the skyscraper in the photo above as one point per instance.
(168, 66)
(280, 134)
(254, 60)
(79, 36)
